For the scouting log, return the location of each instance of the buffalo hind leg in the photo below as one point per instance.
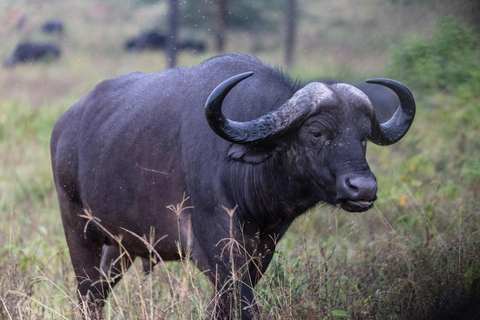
(85, 253)
(85, 242)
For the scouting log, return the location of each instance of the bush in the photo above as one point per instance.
(449, 59)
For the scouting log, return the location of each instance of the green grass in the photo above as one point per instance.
(414, 256)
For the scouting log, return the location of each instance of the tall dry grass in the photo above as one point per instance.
(415, 256)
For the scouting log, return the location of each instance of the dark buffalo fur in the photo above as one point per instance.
(136, 144)
(384, 101)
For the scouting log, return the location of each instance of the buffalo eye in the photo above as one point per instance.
(316, 135)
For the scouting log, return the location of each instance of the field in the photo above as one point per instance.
(415, 255)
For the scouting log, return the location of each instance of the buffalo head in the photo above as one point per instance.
(319, 134)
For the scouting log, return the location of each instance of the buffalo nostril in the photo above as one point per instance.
(350, 186)
(363, 188)
(356, 188)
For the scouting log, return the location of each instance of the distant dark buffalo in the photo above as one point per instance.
(138, 143)
(154, 40)
(193, 46)
(149, 40)
(32, 52)
(52, 26)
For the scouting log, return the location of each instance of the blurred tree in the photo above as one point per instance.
(172, 34)
(221, 30)
(290, 22)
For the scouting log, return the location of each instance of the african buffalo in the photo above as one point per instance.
(52, 26)
(31, 52)
(154, 40)
(148, 40)
(192, 46)
(138, 143)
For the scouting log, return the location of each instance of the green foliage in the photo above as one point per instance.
(447, 60)
(22, 127)
(20, 122)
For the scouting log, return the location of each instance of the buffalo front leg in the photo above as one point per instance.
(225, 275)
(256, 268)
(235, 280)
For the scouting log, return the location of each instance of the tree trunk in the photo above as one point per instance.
(222, 14)
(172, 34)
(291, 20)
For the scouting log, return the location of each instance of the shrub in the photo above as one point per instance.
(449, 59)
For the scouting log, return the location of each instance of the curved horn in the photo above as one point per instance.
(293, 111)
(229, 130)
(394, 129)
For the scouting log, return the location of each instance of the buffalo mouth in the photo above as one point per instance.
(356, 205)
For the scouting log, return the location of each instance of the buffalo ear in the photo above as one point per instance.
(250, 153)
